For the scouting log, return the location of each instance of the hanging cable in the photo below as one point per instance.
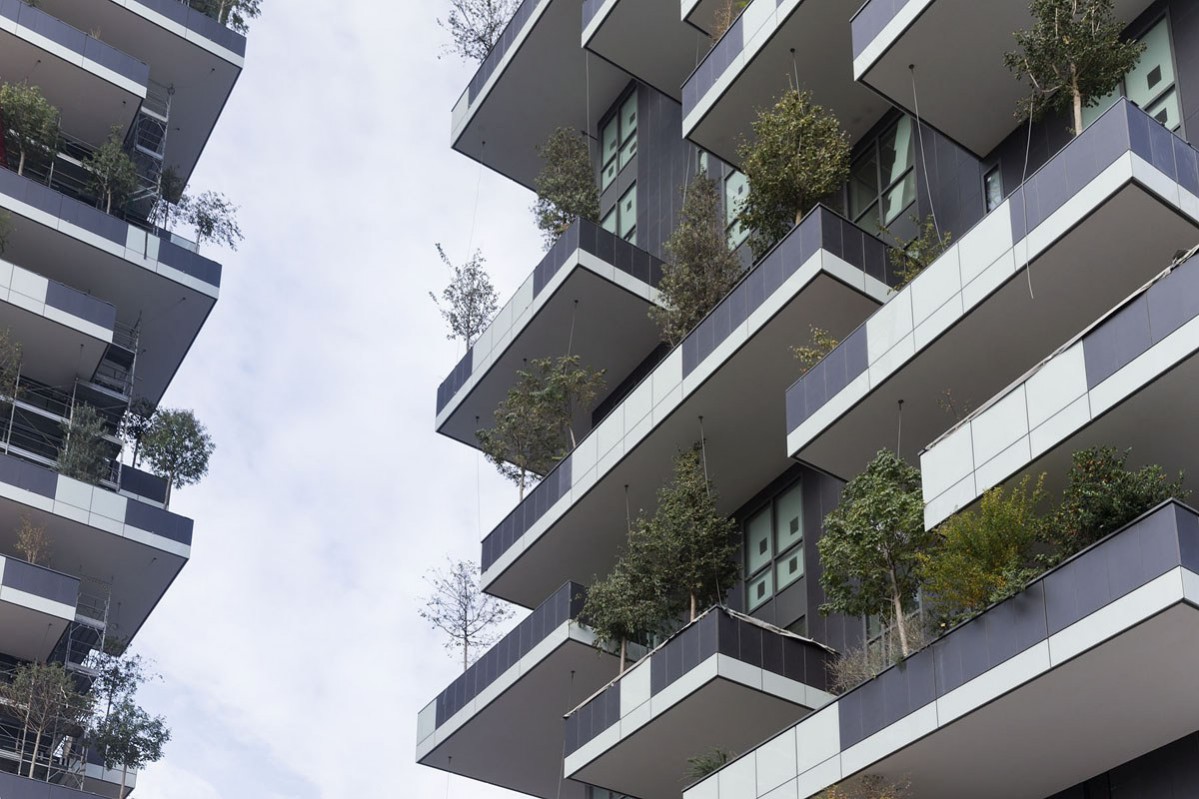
(447, 777)
(703, 451)
(795, 69)
(474, 214)
(899, 434)
(628, 513)
(923, 159)
(478, 489)
(1024, 202)
(587, 69)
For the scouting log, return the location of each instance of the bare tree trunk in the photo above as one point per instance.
(693, 606)
(21, 162)
(1077, 101)
(900, 624)
(465, 653)
(623, 650)
(124, 775)
(37, 743)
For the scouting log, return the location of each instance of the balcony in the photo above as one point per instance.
(1124, 382)
(186, 49)
(590, 281)
(64, 333)
(1041, 679)
(725, 681)
(501, 721)
(93, 531)
(93, 84)
(13, 786)
(965, 90)
(536, 80)
(754, 63)
(826, 273)
(700, 14)
(1097, 221)
(617, 30)
(162, 289)
(36, 605)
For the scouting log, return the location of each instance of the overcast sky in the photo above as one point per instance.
(293, 659)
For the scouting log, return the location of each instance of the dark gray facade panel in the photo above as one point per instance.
(29, 476)
(75, 40)
(531, 508)
(161, 522)
(81, 304)
(39, 581)
(871, 19)
(143, 484)
(1124, 561)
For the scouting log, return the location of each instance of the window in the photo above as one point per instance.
(736, 189)
(619, 138)
(609, 222)
(1150, 84)
(993, 188)
(882, 181)
(626, 212)
(774, 555)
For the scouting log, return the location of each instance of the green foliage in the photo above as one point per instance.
(566, 184)
(725, 14)
(130, 738)
(5, 230)
(177, 447)
(458, 607)
(533, 427)
(476, 25)
(926, 246)
(986, 555)
(1071, 57)
(819, 345)
(10, 364)
(30, 122)
(702, 270)
(213, 217)
(47, 704)
(113, 175)
(1103, 496)
(233, 14)
(701, 542)
(633, 602)
(799, 154)
(709, 762)
(869, 786)
(136, 423)
(84, 454)
(470, 298)
(32, 542)
(872, 542)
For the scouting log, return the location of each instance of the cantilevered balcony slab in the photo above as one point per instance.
(726, 681)
(1127, 382)
(617, 30)
(964, 89)
(189, 52)
(590, 282)
(1102, 217)
(536, 80)
(93, 84)
(36, 605)
(730, 370)
(1026, 700)
(98, 780)
(63, 332)
(158, 287)
(501, 721)
(92, 531)
(755, 62)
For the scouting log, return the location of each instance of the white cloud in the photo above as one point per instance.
(293, 657)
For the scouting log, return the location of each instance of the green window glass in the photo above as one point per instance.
(789, 518)
(758, 551)
(761, 590)
(882, 181)
(628, 215)
(736, 189)
(1151, 84)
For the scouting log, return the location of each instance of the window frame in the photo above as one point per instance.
(1121, 90)
(619, 159)
(770, 570)
(874, 150)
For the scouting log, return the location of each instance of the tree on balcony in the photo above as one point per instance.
(724, 16)
(798, 154)
(84, 452)
(476, 25)
(701, 269)
(211, 215)
(48, 704)
(112, 173)
(872, 542)
(458, 607)
(469, 302)
(633, 602)
(565, 187)
(136, 423)
(701, 565)
(30, 122)
(233, 14)
(534, 425)
(1103, 495)
(1072, 56)
(820, 343)
(5, 230)
(10, 365)
(32, 542)
(909, 259)
(867, 786)
(986, 555)
(177, 446)
(129, 738)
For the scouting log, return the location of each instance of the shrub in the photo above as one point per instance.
(926, 246)
(819, 345)
(566, 184)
